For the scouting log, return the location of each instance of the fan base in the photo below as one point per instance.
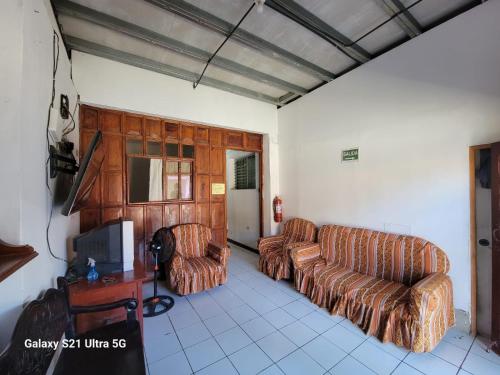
(157, 305)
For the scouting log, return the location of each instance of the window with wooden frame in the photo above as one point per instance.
(244, 173)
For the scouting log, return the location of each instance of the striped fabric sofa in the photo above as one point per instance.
(274, 251)
(392, 286)
(197, 263)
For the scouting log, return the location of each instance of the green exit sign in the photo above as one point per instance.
(350, 155)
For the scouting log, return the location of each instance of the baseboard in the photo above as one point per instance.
(246, 247)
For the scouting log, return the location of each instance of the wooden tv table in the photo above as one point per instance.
(128, 284)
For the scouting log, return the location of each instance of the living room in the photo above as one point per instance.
(389, 134)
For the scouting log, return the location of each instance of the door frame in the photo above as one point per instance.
(261, 182)
(473, 234)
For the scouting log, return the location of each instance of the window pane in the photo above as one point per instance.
(186, 167)
(154, 148)
(172, 150)
(172, 167)
(186, 187)
(145, 180)
(187, 151)
(173, 187)
(134, 146)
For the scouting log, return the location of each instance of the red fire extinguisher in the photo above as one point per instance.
(278, 209)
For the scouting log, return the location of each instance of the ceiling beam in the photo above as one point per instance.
(405, 19)
(155, 66)
(79, 11)
(216, 24)
(303, 17)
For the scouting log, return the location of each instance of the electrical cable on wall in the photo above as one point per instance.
(55, 64)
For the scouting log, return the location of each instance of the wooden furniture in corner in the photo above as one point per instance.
(13, 257)
(83, 293)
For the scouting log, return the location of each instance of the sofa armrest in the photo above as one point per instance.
(177, 262)
(431, 294)
(305, 253)
(219, 253)
(267, 244)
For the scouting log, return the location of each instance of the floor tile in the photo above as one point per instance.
(222, 367)
(262, 305)
(233, 340)
(271, 370)
(299, 363)
(343, 338)
(161, 346)
(430, 364)
(209, 310)
(276, 346)
(257, 328)
(298, 333)
(459, 338)
(317, 322)
(336, 318)
(298, 309)
(396, 351)
(279, 318)
(324, 352)
(480, 348)
(350, 366)
(157, 326)
(374, 358)
(250, 360)
(184, 319)
(480, 366)
(193, 334)
(203, 354)
(219, 324)
(404, 369)
(450, 353)
(347, 324)
(173, 364)
(242, 314)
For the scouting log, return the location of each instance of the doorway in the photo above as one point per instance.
(481, 239)
(243, 181)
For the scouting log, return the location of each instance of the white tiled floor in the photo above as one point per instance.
(253, 325)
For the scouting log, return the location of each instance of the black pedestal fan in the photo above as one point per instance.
(162, 248)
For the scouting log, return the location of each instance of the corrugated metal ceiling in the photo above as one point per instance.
(289, 49)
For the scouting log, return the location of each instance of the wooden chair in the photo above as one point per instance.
(48, 318)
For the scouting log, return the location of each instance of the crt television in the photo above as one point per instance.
(88, 171)
(111, 245)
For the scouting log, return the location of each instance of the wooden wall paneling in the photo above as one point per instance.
(154, 221)
(153, 128)
(202, 156)
(216, 137)
(187, 134)
(202, 135)
(89, 218)
(133, 125)
(203, 213)
(188, 213)
(252, 142)
(202, 188)
(233, 139)
(219, 236)
(217, 158)
(172, 215)
(112, 189)
(172, 131)
(111, 213)
(218, 215)
(113, 152)
(110, 121)
(88, 118)
(217, 197)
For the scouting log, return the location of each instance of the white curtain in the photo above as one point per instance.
(155, 180)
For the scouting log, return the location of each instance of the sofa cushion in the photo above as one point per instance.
(305, 274)
(199, 274)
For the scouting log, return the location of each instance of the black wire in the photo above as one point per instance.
(67, 130)
(195, 84)
(55, 65)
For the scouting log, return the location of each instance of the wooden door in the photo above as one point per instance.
(495, 236)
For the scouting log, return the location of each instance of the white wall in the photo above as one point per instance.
(413, 113)
(243, 217)
(26, 75)
(107, 83)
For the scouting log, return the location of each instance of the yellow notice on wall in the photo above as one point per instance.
(218, 189)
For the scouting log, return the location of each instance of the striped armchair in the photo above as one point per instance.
(274, 251)
(392, 286)
(197, 263)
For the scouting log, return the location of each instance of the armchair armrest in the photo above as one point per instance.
(128, 303)
(269, 243)
(292, 245)
(305, 253)
(219, 253)
(430, 294)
